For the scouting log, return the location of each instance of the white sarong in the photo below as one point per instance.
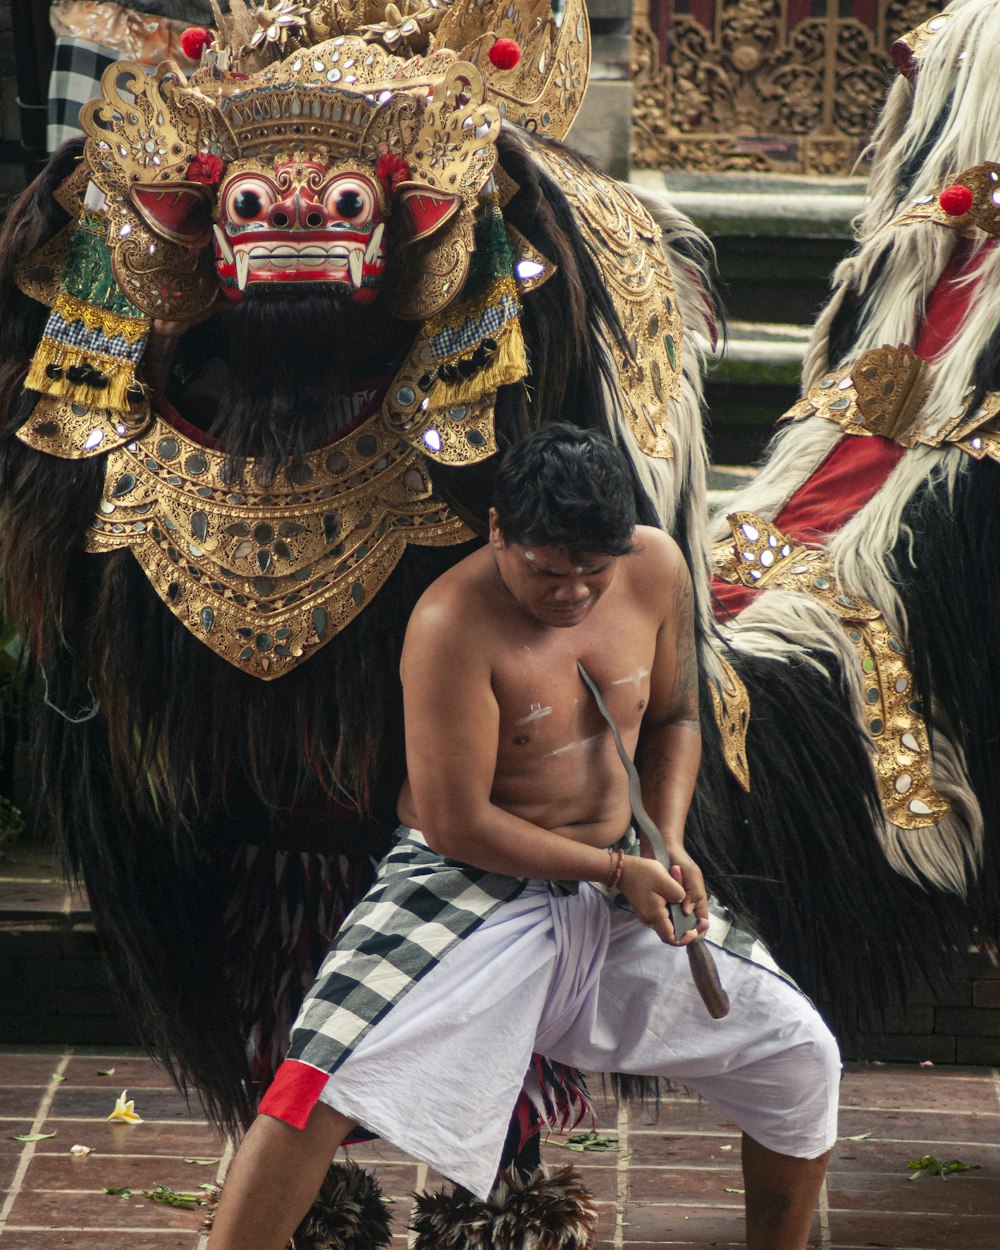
(578, 979)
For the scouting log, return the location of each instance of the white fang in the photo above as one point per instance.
(374, 242)
(223, 242)
(355, 262)
(242, 270)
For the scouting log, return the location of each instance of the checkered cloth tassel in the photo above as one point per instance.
(477, 342)
(547, 1211)
(94, 338)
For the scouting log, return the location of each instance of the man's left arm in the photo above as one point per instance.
(670, 740)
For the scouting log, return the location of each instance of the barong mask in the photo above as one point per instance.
(300, 221)
(341, 154)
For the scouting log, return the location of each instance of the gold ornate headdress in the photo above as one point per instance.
(371, 123)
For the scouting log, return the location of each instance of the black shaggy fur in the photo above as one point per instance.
(348, 1214)
(154, 760)
(545, 1211)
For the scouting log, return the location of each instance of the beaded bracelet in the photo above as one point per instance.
(615, 868)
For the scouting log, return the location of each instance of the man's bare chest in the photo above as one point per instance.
(545, 707)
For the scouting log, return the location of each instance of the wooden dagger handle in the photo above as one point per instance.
(706, 979)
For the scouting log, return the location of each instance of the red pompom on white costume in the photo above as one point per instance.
(505, 53)
(194, 41)
(956, 200)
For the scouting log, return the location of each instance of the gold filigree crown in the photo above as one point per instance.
(345, 78)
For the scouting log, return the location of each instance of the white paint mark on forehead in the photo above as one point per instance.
(633, 679)
(536, 713)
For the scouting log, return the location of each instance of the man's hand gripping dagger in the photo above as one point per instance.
(703, 969)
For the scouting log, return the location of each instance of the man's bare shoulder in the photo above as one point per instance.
(455, 604)
(657, 559)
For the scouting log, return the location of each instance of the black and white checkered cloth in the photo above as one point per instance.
(74, 336)
(77, 67)
(419, 907)
(493, 318)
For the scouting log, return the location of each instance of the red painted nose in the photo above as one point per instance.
(295, 212)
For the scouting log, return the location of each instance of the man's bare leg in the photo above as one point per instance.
(274, 1179)
(781, 1196)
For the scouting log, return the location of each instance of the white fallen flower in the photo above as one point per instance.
(80, 1150)
(125, 1111)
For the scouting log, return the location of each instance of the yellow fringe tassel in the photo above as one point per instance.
(112, 325)
(508, 364)
(120, 374)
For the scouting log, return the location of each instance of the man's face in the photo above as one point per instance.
(548, 583)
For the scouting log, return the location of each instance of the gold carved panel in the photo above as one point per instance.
(763, 86)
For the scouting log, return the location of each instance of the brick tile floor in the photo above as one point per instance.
(674, 1182)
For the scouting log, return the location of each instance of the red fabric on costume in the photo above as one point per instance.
(853, 472)
(857, 467)
(847, 479)
(293, 1093)
(948, 302)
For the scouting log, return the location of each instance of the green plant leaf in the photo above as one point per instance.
(119, 1191)
(31, 1136)
(168, 1197)
(929, 1165)
(588, 1141)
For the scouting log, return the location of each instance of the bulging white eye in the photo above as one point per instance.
(248, 199)
(351, 198)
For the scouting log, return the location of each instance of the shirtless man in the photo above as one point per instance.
(507, 921)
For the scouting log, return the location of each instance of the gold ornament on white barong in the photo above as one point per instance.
(762, 557)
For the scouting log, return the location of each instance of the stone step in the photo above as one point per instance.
(777, 240)
(751, 380)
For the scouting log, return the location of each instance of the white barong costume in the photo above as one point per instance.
(445, 979)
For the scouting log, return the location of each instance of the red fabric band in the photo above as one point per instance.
(293, 1093)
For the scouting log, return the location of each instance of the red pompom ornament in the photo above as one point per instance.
(956, 200)
(194, 41)
(206, 168)
(391, 170)
(505, 53)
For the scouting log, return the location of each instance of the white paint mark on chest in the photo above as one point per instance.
(583, 744)
(536, 713)
(635, 679)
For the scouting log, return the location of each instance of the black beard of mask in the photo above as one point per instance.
(289, 378)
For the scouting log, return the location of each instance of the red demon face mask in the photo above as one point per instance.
(298, 221)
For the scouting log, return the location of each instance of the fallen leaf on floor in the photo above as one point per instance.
(57, 1076)
(32, 1136)
(168, 1197)
(588, 1141)
(858, 1137)
(125, 1111)
(80, 1150)
(725, 1147)
(106, 1072)
(201, 1162)
(930, 1166)
(119, 1191)
(731, 1190)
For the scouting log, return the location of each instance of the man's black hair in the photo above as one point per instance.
(568, 488)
